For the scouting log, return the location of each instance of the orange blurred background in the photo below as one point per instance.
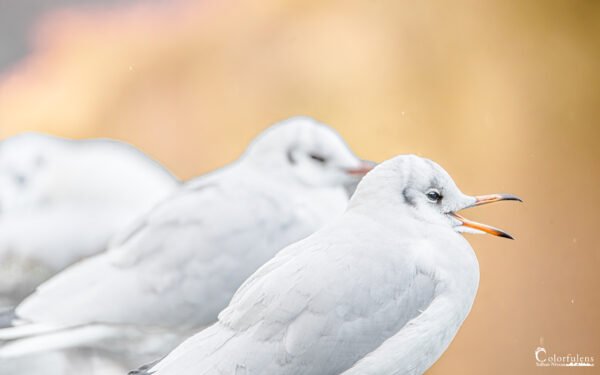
(504, 94)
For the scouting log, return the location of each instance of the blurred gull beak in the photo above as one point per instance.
(479, 201)
(364, 168)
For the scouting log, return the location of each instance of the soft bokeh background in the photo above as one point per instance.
(504, 94)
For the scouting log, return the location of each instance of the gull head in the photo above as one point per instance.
(20, 157)
(304, 150)
(425, 191)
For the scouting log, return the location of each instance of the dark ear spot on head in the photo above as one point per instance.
(290, 157)
(409, 200)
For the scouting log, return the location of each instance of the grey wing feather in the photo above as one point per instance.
(145, 369)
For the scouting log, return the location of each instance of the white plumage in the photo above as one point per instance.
(381, 290)
(179, 266)
(61, 200)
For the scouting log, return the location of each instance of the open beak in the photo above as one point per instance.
(364, 167)
(481, 200)
(491, 198)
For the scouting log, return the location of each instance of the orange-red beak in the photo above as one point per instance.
(491, 198)
(485, 199)
(362, 169)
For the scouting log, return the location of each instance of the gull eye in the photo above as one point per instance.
(434, 195)
(318, 158)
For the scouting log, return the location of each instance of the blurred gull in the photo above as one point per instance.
(172, 273)
(381, 290)
(61, 200)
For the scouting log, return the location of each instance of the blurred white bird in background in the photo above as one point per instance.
(62, 200)
(173, 272)
(381, 290)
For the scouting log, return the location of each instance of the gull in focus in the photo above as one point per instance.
(170, 275)
(62, 200)
(383, 289)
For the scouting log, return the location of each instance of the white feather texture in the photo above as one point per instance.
(381, 290)
(178, 267)
(61, 200)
